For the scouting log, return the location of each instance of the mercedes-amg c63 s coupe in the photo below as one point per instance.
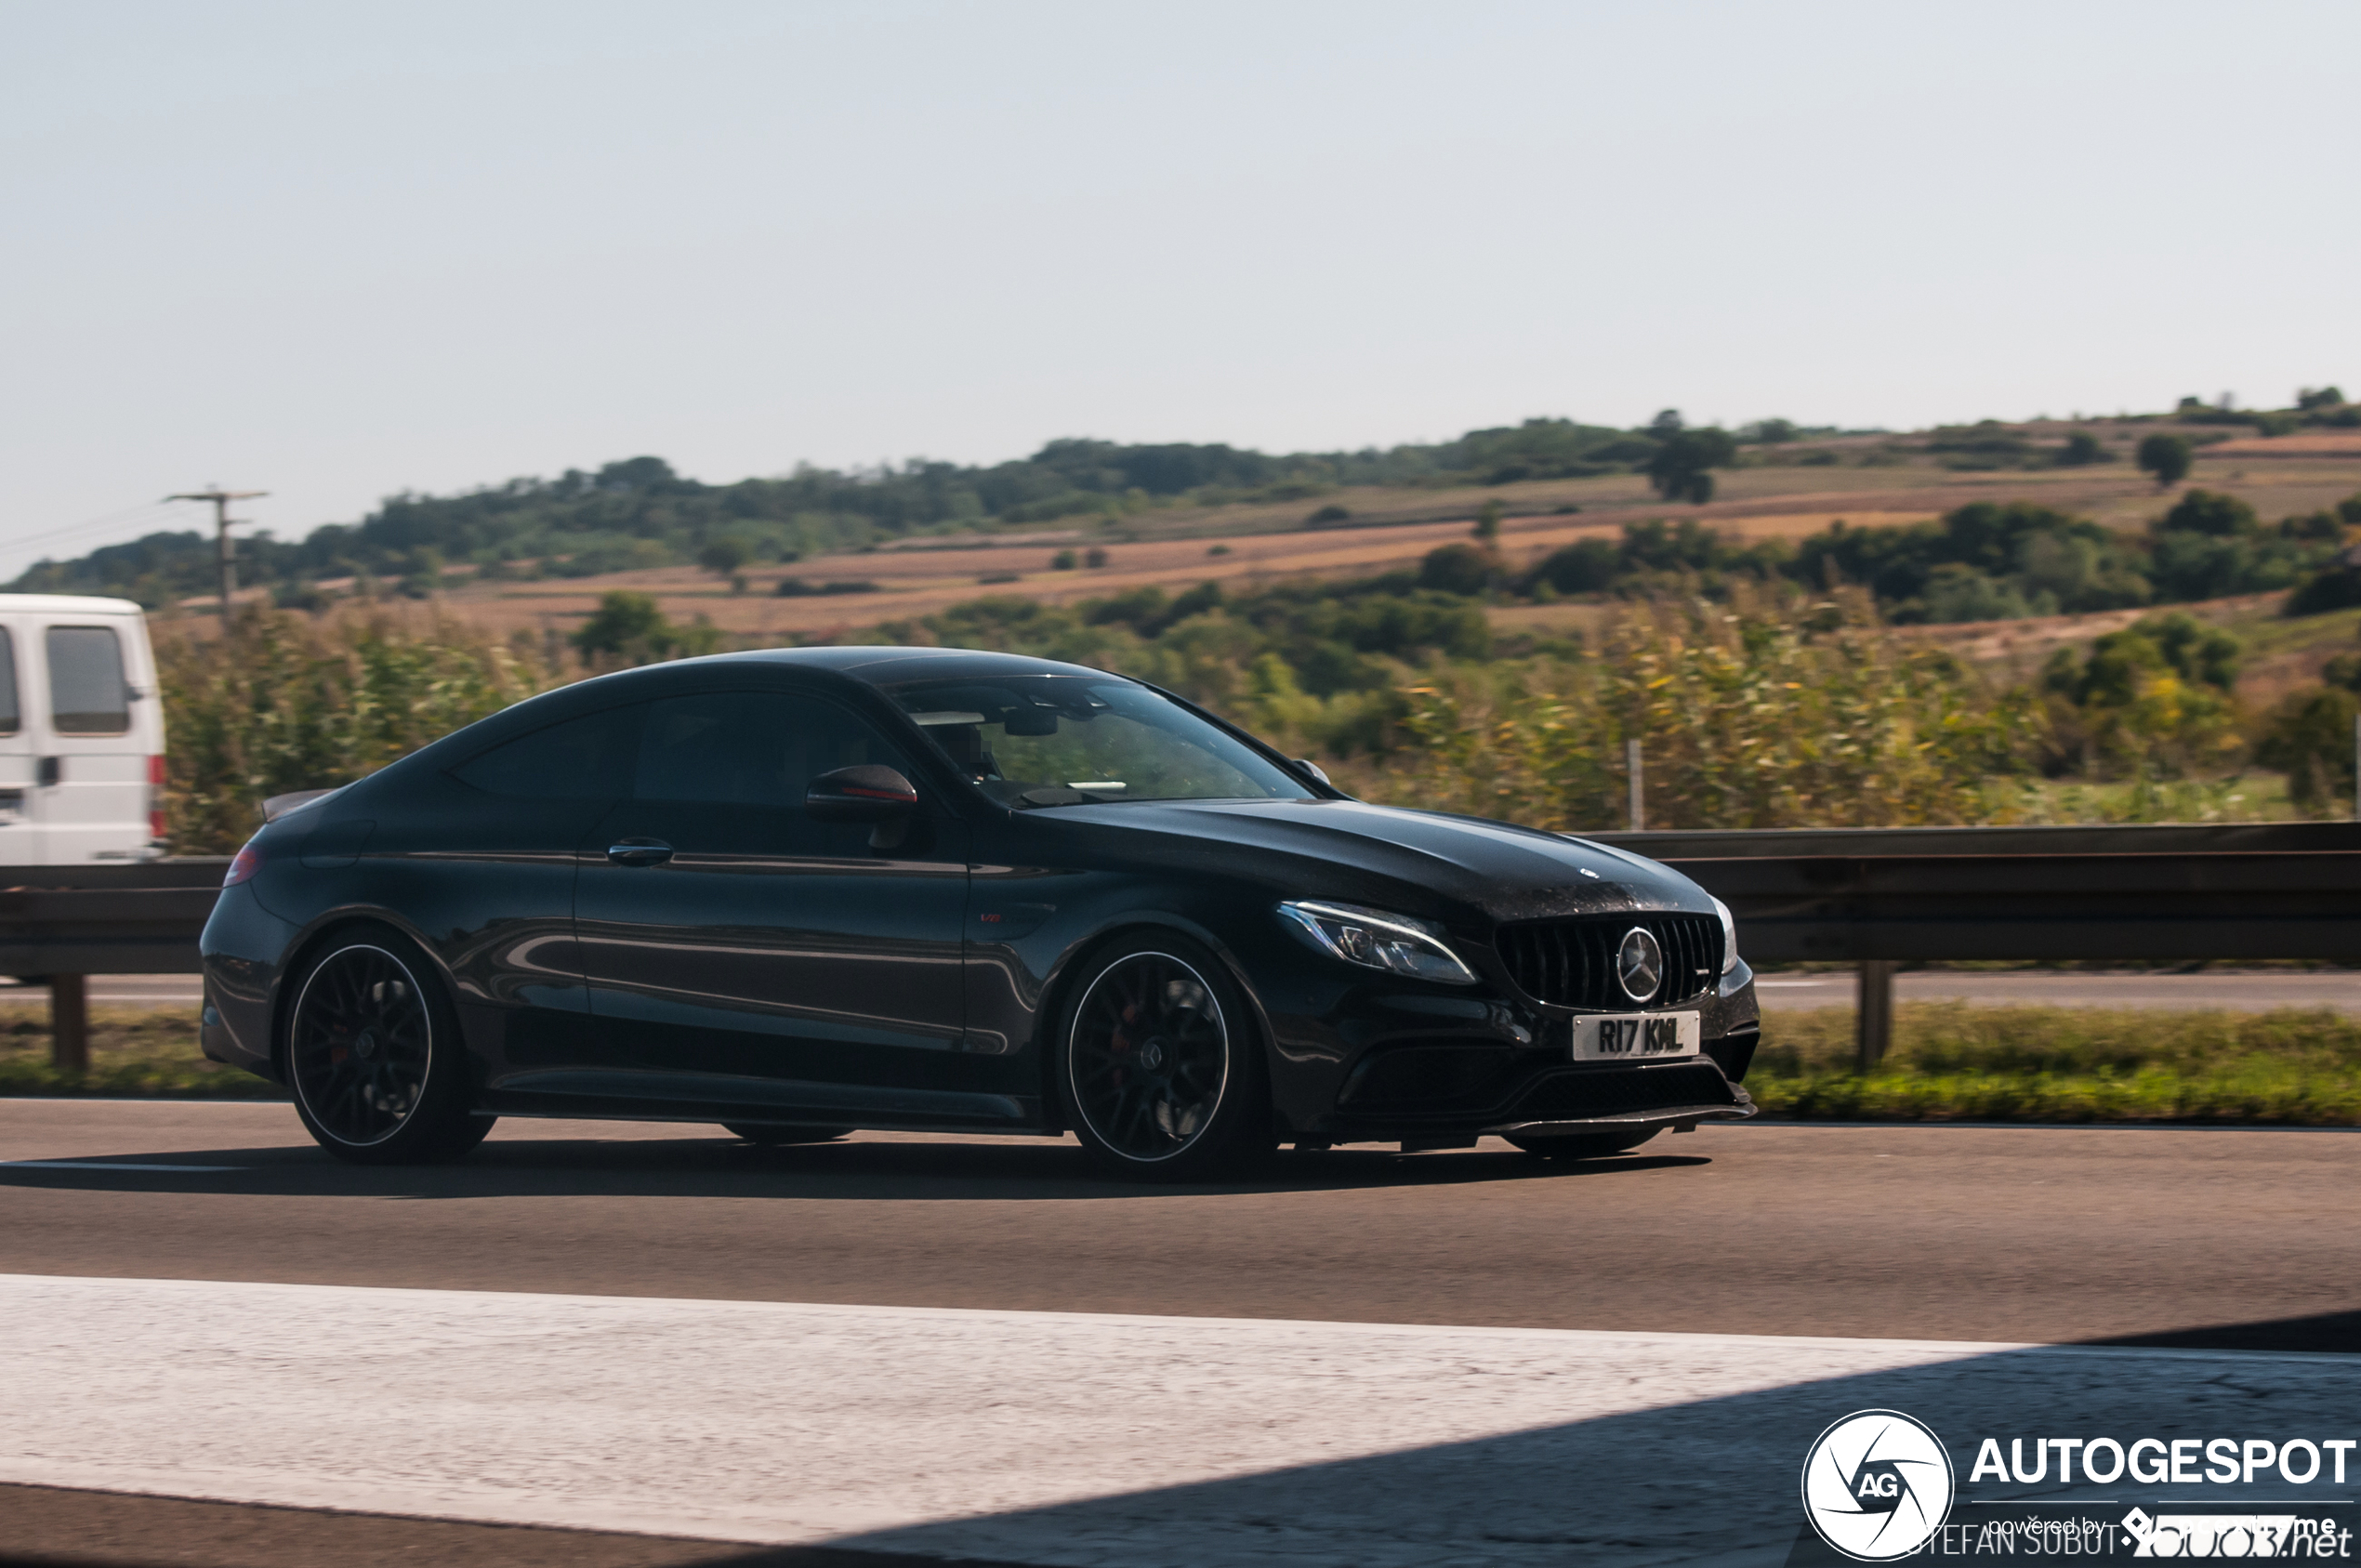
(802, 891)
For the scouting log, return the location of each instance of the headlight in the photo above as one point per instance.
(1729, 936)
(1375, 940)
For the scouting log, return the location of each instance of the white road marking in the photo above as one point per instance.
(106, 1164)
(1037, 1437)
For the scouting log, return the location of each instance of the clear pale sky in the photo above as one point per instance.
(340, 251)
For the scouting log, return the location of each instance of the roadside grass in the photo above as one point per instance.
(148, 1053)
(1958, 1061)
(1950, 1061)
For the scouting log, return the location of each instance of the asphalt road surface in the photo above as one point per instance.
(2244, 991)
(976, 1348)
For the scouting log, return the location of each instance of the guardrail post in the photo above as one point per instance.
(69, 1023)
(1873, 1012)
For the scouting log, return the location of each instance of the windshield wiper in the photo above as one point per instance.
(1063, 795)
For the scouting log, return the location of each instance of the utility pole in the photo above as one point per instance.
(224, 572)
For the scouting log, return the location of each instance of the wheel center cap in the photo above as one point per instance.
(365, 1046)
(1151, 1055)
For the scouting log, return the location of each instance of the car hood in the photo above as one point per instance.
(1420, 863)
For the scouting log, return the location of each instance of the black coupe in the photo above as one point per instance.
(801, 891)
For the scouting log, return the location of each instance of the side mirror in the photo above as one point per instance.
(1315, 770)
(869, 793)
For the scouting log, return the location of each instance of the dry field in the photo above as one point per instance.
(1176, 547)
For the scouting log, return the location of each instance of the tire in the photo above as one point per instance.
(374, 1056)
(1583, 1145)
(1159, 1066)
(773, 1137)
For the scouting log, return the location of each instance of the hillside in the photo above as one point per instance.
(539, 552)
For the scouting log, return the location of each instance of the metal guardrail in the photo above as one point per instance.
(1880, 896)
(61, 924)
(1874, 897)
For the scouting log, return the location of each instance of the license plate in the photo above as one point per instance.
(1638, 1037)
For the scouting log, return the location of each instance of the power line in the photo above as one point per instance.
(21, 541)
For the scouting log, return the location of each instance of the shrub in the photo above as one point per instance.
(1456, 569)
(1329, 514)
(1064, 560)
(2309, 737)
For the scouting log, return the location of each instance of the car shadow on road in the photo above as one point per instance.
(856, 1170)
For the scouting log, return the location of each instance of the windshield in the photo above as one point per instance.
(1061, 740)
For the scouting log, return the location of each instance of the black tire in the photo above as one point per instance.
(773, 1137)
(1583, 1145)
(374, 1056)
(1159, 1064)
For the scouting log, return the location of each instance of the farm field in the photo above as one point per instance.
(1392, 528)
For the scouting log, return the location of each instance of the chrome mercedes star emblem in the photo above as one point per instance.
(1638, 964)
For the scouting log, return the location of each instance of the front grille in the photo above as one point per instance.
(1574, 1094)
(1571, 963)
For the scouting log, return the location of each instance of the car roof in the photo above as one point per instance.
(893, 666)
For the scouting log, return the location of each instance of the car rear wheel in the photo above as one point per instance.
(1159, 1065)
(374, 1054)
(1583, 1145)
(771, 1138)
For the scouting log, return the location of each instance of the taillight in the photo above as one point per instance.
(156, 799)
(248, 862)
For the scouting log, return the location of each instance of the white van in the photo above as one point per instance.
(81, 733)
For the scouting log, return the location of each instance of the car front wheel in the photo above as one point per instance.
(1159, 1064)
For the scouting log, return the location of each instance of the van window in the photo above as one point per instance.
(87, 695)
(11, 719)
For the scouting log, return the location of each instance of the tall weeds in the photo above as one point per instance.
(1766, 712)
(288, 703)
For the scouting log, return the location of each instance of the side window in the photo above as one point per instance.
(749, 748)
(87, 695)
(585, 759)
(11, 716)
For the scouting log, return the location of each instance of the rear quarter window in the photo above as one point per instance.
(585, 759)
(87, 694)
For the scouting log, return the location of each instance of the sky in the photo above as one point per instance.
(341, 252)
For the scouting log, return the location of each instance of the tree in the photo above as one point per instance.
(1680, 468)
(725, 556)
(2167, 457)
(2082, 449)
(1487, 524)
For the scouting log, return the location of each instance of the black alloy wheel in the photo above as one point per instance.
(1582, 1145)
(374, 1056)
(1162, 1078)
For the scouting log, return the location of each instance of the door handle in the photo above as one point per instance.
(639, 851)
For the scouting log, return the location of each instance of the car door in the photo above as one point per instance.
(741, 953)
(90, 794)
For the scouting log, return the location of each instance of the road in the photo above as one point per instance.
(622, 1343)
(2242, 991)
